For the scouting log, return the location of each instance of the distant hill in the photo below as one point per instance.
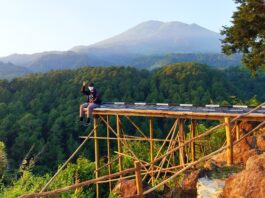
(148, 45)
(9, 70)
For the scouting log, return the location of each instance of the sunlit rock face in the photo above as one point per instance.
(250, 182)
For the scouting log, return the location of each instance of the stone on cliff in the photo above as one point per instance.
(250, 182)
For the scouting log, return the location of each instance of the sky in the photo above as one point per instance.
(30, 26)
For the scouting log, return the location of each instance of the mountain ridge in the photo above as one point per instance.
(130, 48)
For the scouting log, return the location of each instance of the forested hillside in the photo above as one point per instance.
(42, 109)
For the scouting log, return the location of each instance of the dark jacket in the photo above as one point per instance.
(91, 96)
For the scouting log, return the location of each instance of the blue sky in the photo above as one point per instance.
(31, 26)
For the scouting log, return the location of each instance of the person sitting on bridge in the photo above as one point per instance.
(93, 101)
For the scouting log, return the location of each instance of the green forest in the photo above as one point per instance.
(39, 113)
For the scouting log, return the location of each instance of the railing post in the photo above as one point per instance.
(229, 142)
(96, 155)
(138, 178)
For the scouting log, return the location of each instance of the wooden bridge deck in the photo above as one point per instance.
(188, 111)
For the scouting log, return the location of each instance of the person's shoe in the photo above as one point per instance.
(81, 119)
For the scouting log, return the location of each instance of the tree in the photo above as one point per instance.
(247, 34)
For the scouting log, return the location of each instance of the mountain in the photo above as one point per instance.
(148, 45)
(65, 60)
(9, 70)
(155, 37)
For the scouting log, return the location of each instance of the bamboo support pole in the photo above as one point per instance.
(151, 149)
(78, 185)
(128, 138)
(96, 157)
(229, 142)
(119, 142)
(192, 135)
(138, 178)
(238, 130)
(181, 142)
(109, 153)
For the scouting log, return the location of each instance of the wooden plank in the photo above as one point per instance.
(229, 142)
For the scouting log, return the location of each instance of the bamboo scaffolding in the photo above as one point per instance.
(171, 129)
(142, 161)
(171, 156)
(201, 160)
(122, 141)
(55, 192)
(160, 113)
(209, 131)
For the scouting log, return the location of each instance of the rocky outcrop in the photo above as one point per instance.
(190, 179)
(127, 188)
(250, 182)
(242, 151)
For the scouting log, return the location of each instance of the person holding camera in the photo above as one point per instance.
(93, 101)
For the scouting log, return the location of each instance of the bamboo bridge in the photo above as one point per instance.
(176, 153)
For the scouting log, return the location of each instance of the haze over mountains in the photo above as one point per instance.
(148, 45)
